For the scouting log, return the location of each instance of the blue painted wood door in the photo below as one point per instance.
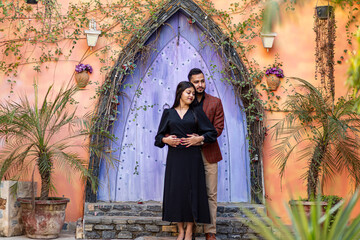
(176, 47)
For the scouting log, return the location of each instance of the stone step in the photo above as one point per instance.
(154, 209)
(130, 220)
(130, 227)
(163, 238)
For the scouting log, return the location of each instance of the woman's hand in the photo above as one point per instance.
(192, 140)
(171, 140)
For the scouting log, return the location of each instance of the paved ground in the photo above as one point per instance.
(164, 238)
(61, 237)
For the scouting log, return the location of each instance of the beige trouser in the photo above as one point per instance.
(211, 175)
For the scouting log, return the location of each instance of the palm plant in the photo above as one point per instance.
(325, 133)
(316, 226)
(34, 132)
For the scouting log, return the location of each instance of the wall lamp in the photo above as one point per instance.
(92, 34)
(268, 39)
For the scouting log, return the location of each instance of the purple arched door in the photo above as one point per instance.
(139, 175)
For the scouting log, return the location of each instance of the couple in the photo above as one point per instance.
(190, 129)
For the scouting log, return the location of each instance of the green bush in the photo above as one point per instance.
(316, 226)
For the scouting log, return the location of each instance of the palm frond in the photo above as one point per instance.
(30, 131)
(324, 126)
(13, 158)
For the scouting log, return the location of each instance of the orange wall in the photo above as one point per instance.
(295, 45)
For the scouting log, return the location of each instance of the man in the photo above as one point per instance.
(211, 152)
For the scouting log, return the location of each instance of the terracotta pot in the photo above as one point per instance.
(307, 206)
(272, 81)
(46, 220)
(82, 79)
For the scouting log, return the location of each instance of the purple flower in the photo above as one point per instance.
(82, 67)
(88, 68)
(275, 70)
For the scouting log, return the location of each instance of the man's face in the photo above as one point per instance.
(199, 82)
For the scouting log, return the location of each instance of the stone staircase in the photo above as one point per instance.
(132, 220)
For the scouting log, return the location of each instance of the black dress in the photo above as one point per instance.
(185, 198)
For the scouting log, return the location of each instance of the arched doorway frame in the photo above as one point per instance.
(242, 85)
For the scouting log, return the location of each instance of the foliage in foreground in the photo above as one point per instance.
(314, 227)
(45, 133)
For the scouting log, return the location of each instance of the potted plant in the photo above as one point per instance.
(82, 74)
(325, 201)
(34, 133)
(273, 75)
(324, 132)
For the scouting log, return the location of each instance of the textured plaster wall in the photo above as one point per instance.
(295, 45)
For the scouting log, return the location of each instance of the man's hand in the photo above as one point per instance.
(171, 140)
(192, 140)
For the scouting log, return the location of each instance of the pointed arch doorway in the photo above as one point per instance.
(176, 47)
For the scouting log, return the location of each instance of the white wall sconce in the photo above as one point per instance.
(268, 39)
(92, 34)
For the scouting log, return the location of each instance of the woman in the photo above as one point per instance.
(183, 128)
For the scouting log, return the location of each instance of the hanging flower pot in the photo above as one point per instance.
(273, 76)
(82, 79)
(273, 82)
(82, 74)
(323, 12)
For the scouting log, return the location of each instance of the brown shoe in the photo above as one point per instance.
(210, 236)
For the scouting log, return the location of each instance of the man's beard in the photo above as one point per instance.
(203, 90)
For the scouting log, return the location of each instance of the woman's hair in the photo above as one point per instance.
(179, 90)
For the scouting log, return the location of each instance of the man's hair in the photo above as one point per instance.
(194, 71)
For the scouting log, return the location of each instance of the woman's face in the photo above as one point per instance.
(187, 96)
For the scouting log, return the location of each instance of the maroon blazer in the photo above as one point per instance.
(213, 109)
